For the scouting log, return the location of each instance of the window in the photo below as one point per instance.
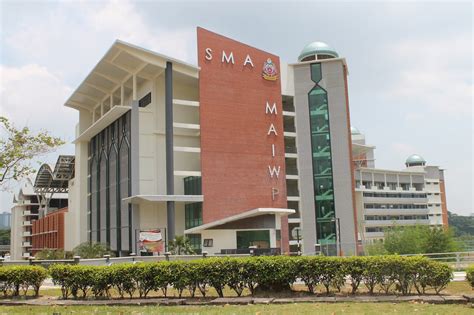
(259, 238)
(208, 242)
(192, 185)
(195, 240)
(192, 215)
(145, 100)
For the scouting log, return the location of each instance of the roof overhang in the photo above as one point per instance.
(358, 149)
(402, 172)
(240, 216)
(55, 180)
(302, 63)
(116, 69)
(138, 199)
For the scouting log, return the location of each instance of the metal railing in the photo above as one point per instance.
(457, 260)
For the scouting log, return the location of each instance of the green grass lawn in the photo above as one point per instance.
(296, 309)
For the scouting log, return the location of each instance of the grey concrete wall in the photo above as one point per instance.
(135, 171)
(333, 82)
(303, 84)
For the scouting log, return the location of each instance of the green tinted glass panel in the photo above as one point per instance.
(261, 239)
(195, 240)
(192, 215)
(316, 72)
(192, 185)
(322, 162)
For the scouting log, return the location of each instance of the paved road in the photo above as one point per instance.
(459, 276)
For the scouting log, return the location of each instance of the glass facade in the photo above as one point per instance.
(195, 240)
(259, 238)
(109, 173)
(322, 162)
(192, 211)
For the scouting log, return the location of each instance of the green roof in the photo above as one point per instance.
(316, 48)
(355, 131)
(415, 159)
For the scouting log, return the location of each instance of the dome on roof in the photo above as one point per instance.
(355, 131)
(415, 160)
(317, 48)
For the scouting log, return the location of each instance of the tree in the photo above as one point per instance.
(91, 250)
(418, 239)
(181, 246)
(5, 237)
(404, 239)
(461, 225)
(18, 147)
(439, 240)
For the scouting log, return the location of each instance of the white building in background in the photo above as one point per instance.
(5, 220)
(28, 207)
(385, 198)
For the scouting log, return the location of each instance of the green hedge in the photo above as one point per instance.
(386, 273)
(470, 275)
(17, 279)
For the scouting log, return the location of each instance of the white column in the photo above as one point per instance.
(122, 95)
(134, 79)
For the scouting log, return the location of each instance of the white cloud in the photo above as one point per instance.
(32, 96)
(74, 35)
(123, 20)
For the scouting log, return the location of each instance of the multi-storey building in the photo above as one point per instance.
(39, 212)
(5, 220)
(24, 211)
(240, 151)
(235, 152)
(386, 198)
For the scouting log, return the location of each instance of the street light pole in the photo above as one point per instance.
(339, 235)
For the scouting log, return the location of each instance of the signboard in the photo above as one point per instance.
(296, 233)
(151, 241)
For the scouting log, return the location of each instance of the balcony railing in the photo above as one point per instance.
(255, 251)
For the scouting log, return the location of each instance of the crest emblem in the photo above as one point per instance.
(269, 71)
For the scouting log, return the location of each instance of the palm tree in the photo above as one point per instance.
(181, 246)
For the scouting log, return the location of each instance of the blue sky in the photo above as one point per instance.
(410, 64)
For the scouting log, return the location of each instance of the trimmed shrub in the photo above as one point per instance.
(388, 271)
(214, 271)
(269, 274)
(124, 279)
(439, 276)
(355, 268)
(235, 273)
(309, 269)
(181, 276)
(470, 275)
(373, 273)
(161, 277)
(102, 281)
(275, 273)
(16, 279)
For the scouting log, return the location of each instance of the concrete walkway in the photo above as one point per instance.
(433, 299)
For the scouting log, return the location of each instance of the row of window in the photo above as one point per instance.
(395, 217)
(394, 206)
(394, 195)
(391, 185)
(109, 173)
